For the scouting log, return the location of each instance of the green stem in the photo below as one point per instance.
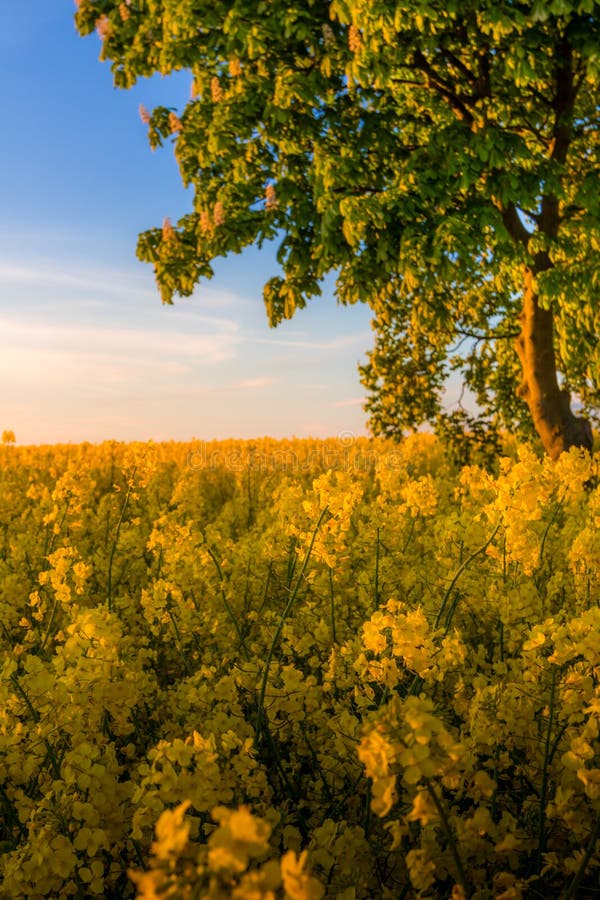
(226, 604)
(577, 878)
(54, 533)
(290, 789)
(250, 518)
(377, 545)
(556, 741)
(547, 529)
(182, 652)
(23, 695)
(138, 853)
(459, 572)
(317, 765)
(36, 718)
(544, 786)
(116, 541)
(30, 572)
(291, 562)
(460, 871)
(50, 623)
(366, 825)
(265, 596)
(417, 681)
(159, 564)
(411, 531)
(332, 608)
(277, 635)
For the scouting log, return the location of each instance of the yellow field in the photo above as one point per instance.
(298, 669)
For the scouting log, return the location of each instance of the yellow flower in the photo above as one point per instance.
(168, 232)
(216, 91)
(373, 639)
(421, 869)
(354, 39)
(297, 883)
(172, 832)
(174, 122)
(423, 809)
(270, 197)
(240, 837)
(218, 214)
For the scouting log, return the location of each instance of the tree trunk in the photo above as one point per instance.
(550, 407)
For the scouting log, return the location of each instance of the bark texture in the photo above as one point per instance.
(550, 407)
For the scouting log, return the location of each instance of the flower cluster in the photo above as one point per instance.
(299, 669)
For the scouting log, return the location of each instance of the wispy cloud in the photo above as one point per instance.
(100, 280)
(252, 383)
(209, 346)
(338, 343)
(45, 368)
(60, 355)
(104, 281)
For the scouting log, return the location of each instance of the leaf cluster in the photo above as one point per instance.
(424, 154)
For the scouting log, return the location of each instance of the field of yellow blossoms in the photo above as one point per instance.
(288, 670)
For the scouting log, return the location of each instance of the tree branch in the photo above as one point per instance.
(527, 128)
(563, 101)
(459, 64)
(489, 336)
(409, 81)
(537, 95)
(484, 82)
(513, 223)
(563, 105)
(443, 87)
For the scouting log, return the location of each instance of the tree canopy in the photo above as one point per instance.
(441, 158)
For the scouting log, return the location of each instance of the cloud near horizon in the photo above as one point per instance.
(251, 383)
(134, 282)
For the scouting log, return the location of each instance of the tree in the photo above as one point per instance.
(441, 159)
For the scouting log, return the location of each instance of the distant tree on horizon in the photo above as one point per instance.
(441, 159)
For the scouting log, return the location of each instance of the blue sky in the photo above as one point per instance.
(87, 351)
